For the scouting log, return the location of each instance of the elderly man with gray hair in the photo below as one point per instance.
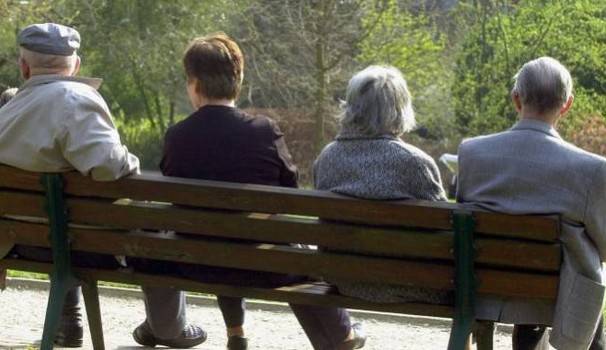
(530, 169)
(59, 122)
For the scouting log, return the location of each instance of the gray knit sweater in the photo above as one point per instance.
(383, 168)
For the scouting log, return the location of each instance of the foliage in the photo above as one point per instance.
(459, 60)
(504, 38)
(137, 47)
(301, 53)
(142, 139)
(411, 43)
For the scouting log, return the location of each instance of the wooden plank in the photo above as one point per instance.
(367, 241)
(531, 227)
(281, 229)
(20, 203)
(268, 199)
(296, 261)
(524, 255)
(309, 293)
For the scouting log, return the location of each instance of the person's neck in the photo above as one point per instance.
(548, 118)
(217, 102)
(47, 72)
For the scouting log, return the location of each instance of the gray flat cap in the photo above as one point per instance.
(50, 38)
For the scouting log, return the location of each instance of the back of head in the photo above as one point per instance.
(7, 95)
(41, 63)
(217, 63)
(378, 103)
(543, 85)
(49, 48)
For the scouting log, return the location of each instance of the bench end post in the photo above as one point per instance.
(62, 277)
(465, 283)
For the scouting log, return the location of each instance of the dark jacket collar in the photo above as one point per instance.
(536, 125)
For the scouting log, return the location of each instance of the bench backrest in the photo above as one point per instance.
(405, 243)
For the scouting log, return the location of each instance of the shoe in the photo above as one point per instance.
(69, 337)
(236, 342)
(190, 336)
(70, 332)
(358, 340)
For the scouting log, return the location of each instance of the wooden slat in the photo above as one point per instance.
(268, 199)
(24, 204)
(280, 229)
(307, 294)
(287, 260)
(524, 255)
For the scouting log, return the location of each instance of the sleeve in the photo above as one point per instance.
(288, 171)
(595, 211)
(165, 163)
(91, 144)
(460, 173)
(429, 182)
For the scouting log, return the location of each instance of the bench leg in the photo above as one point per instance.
(463, 225)
(484, 334)
(93, 312)
(62, 278)
(54, 310)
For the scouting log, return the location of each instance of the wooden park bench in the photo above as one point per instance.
(412, 243)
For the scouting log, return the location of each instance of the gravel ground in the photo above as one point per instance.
(269, 327)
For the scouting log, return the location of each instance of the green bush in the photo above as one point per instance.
(142, 140)
(574, 32)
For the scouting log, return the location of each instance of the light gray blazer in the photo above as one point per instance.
(529, 169)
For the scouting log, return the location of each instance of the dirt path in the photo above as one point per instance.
(271, 328)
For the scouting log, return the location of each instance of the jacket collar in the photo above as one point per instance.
(536, 125)
(36, 80)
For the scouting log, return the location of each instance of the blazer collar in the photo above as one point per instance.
(51, 78)
(536, 125)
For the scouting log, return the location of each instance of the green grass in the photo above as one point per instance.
(44, 277)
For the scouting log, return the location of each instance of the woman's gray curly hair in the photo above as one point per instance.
(378, 103)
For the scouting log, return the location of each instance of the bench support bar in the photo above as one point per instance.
(93, 311)
(62, 277)
(463, 225)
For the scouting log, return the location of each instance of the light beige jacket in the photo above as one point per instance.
(530, 169)
(57, 123)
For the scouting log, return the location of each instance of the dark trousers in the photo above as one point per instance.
(326, 327)
(533, 337)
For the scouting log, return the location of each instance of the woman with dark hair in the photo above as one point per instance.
(221, 142)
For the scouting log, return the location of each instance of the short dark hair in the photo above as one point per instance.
(217, 62)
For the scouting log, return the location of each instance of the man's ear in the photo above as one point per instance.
(26, 72)
(77, 66)
(515, 97)
(567, 106)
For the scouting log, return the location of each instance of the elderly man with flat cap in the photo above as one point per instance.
(59, 122)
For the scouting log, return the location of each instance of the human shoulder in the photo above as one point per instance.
(262, 123)
(406, 152)
(80, 96)
(482, 141)
(583, 159)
